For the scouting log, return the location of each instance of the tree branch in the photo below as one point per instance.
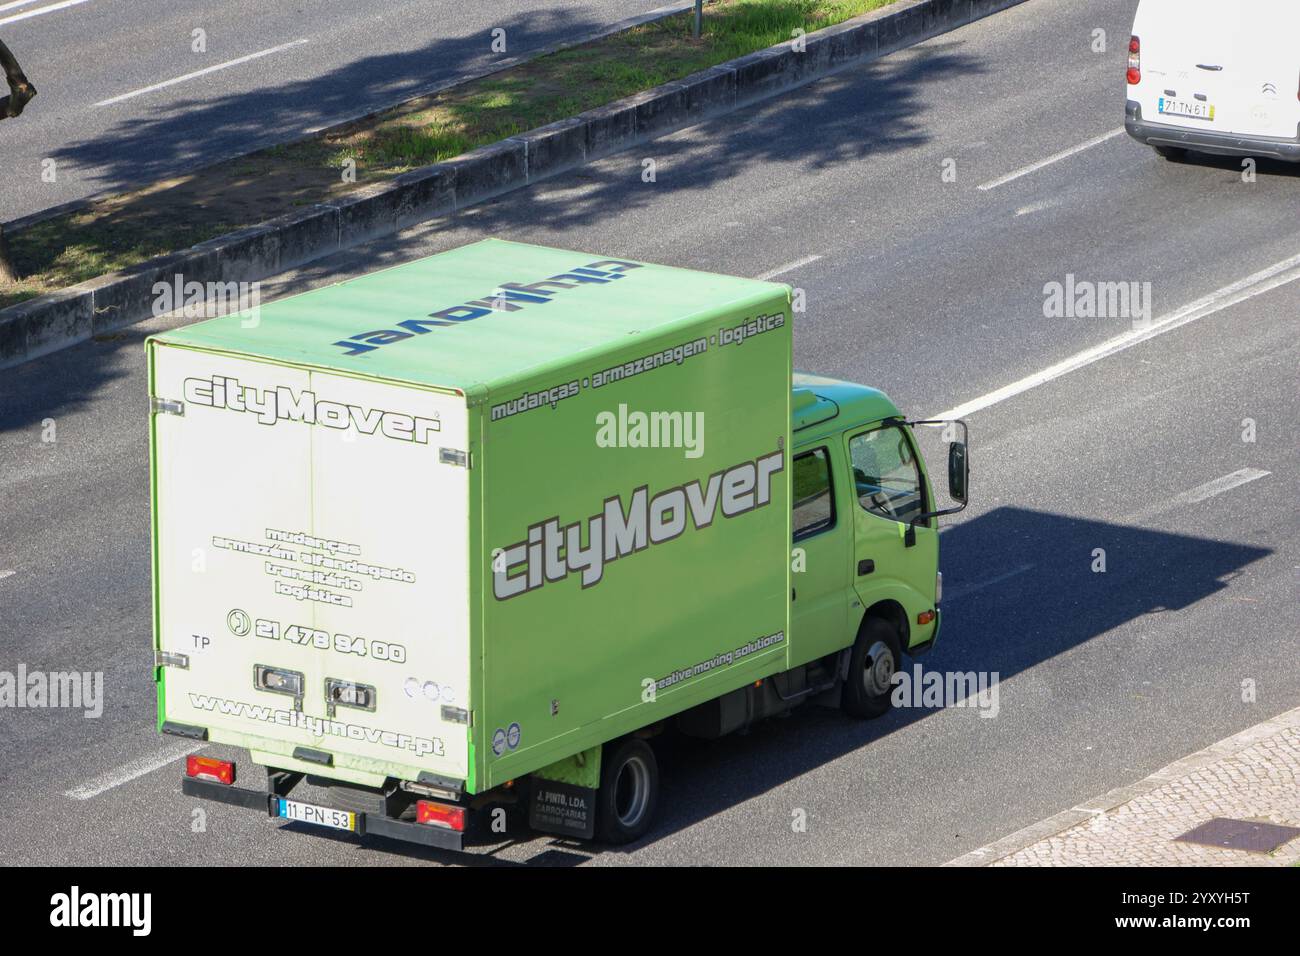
(21, 90)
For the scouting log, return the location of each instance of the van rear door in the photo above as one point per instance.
(1229, 67)
(311, 566)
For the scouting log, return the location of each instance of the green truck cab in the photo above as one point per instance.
(864, 524)
(462, 537)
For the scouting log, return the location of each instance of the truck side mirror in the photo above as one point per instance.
(958, 465)
(958, 471)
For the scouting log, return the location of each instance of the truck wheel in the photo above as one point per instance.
(629, 791)
(875, 657)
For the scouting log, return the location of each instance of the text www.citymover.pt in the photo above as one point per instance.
(319, 726)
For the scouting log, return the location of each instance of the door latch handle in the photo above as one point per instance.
(866, 566)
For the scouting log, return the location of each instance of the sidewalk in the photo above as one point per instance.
(1253, 777)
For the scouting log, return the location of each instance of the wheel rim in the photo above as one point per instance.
(878, 670)
(632, 792)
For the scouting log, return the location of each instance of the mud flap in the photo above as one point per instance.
(564, 809)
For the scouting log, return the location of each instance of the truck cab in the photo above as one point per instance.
(864, 529)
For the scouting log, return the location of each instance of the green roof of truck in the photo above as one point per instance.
(818, 403)
(486, 314)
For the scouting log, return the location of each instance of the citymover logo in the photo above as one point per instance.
(281, 403)
(551, 551)
(509, 297)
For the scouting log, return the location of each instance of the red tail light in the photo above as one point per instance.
(206, 768)
(440, 815)
(1134, 61)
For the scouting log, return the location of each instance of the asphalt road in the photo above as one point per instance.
(931, 290)
(329, 60)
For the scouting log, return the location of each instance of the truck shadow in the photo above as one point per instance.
(1021, 590)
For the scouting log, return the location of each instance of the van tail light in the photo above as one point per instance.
(1134, 61)
(440, 815)
(208, 768)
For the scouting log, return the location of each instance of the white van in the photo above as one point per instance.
(1218, 76)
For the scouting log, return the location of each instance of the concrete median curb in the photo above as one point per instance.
(69, 316)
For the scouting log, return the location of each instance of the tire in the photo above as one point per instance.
(1171, 152)
(629, 791)
(876, 655)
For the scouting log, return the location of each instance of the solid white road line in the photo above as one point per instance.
(1263, 281)
(788, 267)
(1219, 485)
(26, 14)
(1043, 164)
(204, 72)
(129, 771)
(957, 593)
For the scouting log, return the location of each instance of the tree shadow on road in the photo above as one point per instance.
(191, 131)
(861, 113)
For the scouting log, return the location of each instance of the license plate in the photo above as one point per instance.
(321, 816)
(1191, 109)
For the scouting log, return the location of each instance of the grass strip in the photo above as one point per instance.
(124, 229)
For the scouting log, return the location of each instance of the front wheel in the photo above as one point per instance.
(629, 791)
(876, 655)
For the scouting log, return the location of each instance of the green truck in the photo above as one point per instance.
(461, 537)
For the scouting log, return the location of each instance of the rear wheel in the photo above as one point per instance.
(629, 791)
(876, 655)
(1170, 152)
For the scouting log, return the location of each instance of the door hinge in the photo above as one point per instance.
(453, 456)
(171, 659)
(165, 406)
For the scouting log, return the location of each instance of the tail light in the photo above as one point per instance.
(207, 768)
(1134, 61)
(440, 815)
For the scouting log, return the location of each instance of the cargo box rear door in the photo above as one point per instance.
(311, 562)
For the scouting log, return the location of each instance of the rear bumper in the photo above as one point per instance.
(1208, 141)
(368, 824)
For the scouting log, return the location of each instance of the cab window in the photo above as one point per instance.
(886, 477)
(814, 502)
